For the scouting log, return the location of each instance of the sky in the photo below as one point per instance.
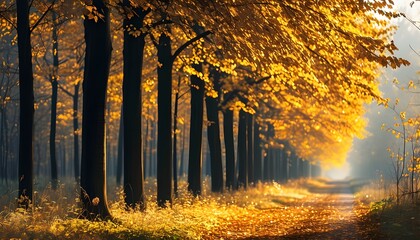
(369, 157)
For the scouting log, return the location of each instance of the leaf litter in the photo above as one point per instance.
(264, 211)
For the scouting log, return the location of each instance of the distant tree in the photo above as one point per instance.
(242, 150)
(97, 67)
(54, 97)
(230, 148)
(257, 153)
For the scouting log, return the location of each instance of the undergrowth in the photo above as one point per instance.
(55, 213)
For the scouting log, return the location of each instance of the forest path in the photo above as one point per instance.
(315, 216)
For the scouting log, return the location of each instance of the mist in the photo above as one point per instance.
(369, 157)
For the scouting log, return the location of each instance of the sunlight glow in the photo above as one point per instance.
(338, 173)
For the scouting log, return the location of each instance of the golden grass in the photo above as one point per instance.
(54, 215)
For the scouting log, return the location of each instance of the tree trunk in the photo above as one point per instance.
(284, 165)
(97, 66)
(133, 64)
(120, 156)
(145, 150)
(213, 135)
(196, 133)
(250, 146)
(26, 94)
(164, 143)
(242, 150)
(229, 147)
(54, 96)
(76, 132)
(257, 153)
(3, 153)
(152, 146)
(175, 140)
(182, 160)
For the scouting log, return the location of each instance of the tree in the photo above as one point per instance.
(134, 42)
(229, 147)
(26, 104)
(54, 96)
(97, 67)
(242, 150)
(196, 126)
(164, 146)
(213, 134)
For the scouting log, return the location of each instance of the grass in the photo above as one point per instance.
(54, 214)
(277, 209)
(394, 220)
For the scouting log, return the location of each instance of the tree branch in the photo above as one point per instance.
(189, 42)
(43, 16)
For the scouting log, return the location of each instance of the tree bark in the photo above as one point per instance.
(133, 64)
(196, 133)
(250, 146)
(284, 165)
(54, 96)
(120, 154)
(175, 140)
(97, 66)
(76, 132)
(213, 135)
(164, 143)
(26, 93)
(229, 147)
(257, 153)
(242, 150)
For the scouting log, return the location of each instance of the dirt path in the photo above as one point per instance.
(317, 216)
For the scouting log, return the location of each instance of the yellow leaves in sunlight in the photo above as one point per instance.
(411, 85)
(403, 115)
(92, 13)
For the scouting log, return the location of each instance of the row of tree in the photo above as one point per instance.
(296, 74)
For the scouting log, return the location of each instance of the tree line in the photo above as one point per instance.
(289, 79)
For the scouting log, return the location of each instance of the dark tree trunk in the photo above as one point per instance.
(196, 133)
(145, 146)
(133, 65)
(120, 155)
(164, 143)
(250, 146)
(242, 150)
(182, 160)
(229, 147)
(152, 146)
(213, 134)
(175, 140)
(301, 167)
(266, 164)
(97, 65)
(293, 165)
(3, 171)
(54, 96)
(26, 93)
(76, 132)
(257, 153)
(284, 165)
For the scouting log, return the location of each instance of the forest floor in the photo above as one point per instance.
(265, 211)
